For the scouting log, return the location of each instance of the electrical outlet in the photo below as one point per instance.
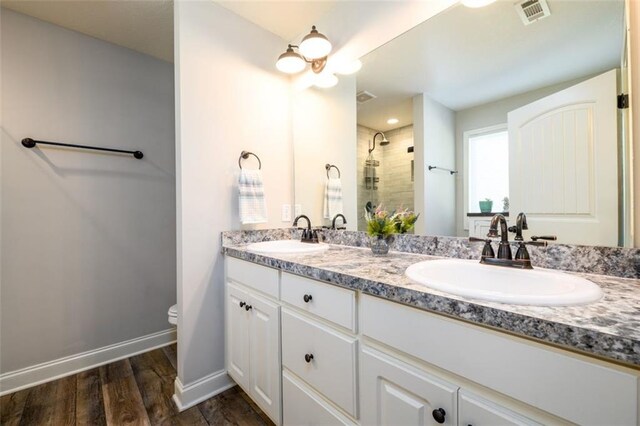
(298, 209)
(286, 212)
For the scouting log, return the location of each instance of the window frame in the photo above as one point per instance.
(466, 135)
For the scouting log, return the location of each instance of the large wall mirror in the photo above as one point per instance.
(483, 111)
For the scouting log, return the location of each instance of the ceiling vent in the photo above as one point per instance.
(532, 10)
(364, 96)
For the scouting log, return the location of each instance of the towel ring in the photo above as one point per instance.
(244, 155)
(329, 167)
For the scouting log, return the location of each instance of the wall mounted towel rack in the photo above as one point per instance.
(244, 155)
(452, 172)
(331, 166)
(30, 143)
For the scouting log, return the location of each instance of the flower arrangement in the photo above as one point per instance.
(382, 224)
(405, 221)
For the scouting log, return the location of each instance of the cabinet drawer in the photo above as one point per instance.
(332, 303)
(332, 370)
(255, 276)
(474, 410)
(302, 406)
(559, 382)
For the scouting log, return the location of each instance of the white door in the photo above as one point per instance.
(237, 328)
(563, 163)
(477, 411)
(396, 394)
(265, 356)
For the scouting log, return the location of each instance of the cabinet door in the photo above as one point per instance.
(237, 334)
(304, 407)
(477, 411)
(265, 356)
(398, 394)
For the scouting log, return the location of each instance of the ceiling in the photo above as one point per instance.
(143, 26)
(286, 19)
(467, 57)
(146, 26)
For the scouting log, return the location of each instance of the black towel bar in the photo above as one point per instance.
(30, 143)
(443, 169)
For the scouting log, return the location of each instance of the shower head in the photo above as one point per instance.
(383, 142)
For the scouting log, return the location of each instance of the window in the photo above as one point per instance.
(487, 167)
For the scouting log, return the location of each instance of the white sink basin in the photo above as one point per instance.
(469, 278)
(287, 247)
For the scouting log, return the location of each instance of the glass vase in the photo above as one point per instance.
(380, 245)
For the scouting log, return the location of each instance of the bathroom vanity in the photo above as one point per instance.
(342, 337)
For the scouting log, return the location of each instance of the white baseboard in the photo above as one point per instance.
(187, 396)
(13, 381)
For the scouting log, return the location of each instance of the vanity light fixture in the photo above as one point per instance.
(313, 49)
(290, 62)
(315, 45)
(392, 121)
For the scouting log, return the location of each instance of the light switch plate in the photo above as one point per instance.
(298, 209)
(286, 212)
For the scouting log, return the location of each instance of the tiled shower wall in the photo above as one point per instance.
(395, 189)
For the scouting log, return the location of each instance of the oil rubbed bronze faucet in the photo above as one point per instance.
(504, 248)
(504, 258)
(308, 235)
(344, 221)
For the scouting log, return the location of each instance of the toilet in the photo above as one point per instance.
(173, 315)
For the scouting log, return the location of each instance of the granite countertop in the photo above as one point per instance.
(609, 328)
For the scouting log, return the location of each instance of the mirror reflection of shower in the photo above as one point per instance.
(385, 175)
(371, 177)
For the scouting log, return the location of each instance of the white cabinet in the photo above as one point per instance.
(474, 410)
(265, 355)
(237, 330)
(253, 347)
(303, 406)
(563, 384)
(303, 364)
(395, 393)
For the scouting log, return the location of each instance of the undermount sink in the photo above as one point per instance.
(539, 287)
(287, 247)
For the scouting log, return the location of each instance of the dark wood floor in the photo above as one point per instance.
(135, 391)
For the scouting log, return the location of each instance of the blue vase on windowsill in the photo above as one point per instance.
(486, 206)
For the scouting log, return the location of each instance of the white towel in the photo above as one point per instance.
(333, 198)
(253, 207)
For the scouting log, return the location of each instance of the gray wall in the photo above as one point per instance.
(434, 137)
(88, 239)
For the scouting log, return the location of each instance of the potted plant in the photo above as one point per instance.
(486, 206)
(381, 225)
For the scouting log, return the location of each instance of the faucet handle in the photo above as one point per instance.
(535, 243)
(479, 240)
(544, 237)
